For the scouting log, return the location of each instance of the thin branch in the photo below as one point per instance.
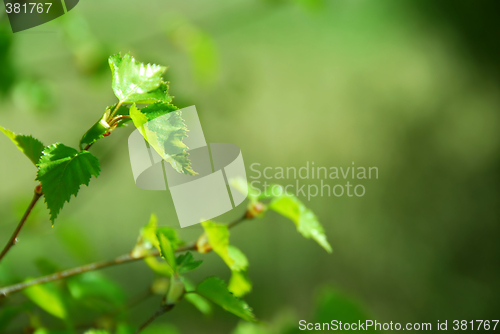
(126, 258)
(239, 220)
(162, 310)
(13, 238)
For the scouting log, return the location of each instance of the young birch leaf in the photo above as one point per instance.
(218, 237)
(30, 146)
(137, 82)
(186, 262)
(165, 132)
(239, 283)
(148, 239)
(62, 170)
(306, 221)
(166, 250)
(215, 289)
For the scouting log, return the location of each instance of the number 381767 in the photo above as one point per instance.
(25, 8)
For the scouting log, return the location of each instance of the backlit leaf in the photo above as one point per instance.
(164, 130)
(215, 289)
(306, 221)
(62, 170)
(138, 82)
(167, 251)
(47, 297)
(218, 237)
(148, 240)
(30, 146)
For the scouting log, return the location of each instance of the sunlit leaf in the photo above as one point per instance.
(239, 283)
(96, 331)
(160, 329)
(30, 146)
(62, 170)
(167, 252)
(47, 297)
(215, 289)
(252, 328)
(137, 82)
(164, 134)
(148, 240)
(218, 237)
(306, 221)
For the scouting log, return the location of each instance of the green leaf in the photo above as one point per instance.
(96, 291)
(148, 239)
(242, 186)
(252, 328)
(165, 136)
(42, 330)
(218, 237)
(166, 250)
(186, 262)
(159, 328)
(159, 267)
(239, 283)
(96, 331)
(48, 298)
(124, 328)
(61, 171)
(306, 221)
(30, 146)
(176, 290)
(198, 301)
(215, 289)
(138, 82)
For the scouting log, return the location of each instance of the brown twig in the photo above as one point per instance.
(13, 238)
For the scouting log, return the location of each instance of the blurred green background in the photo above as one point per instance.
(411, 87)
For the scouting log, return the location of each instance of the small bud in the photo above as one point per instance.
(254, 209)
(38, 189)
(202, 244)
